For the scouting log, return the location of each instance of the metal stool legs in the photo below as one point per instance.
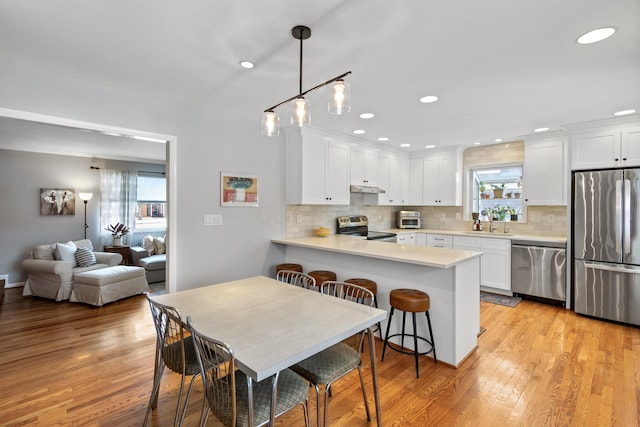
(415, 352)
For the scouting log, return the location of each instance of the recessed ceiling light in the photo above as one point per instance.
(541, 129)
(359, 131)
(367, 115)
(497, 140)
(247, 64)
(428, 99)
(476, 143)
(429, 146)
(405, 145)
(596, 35)
(624, 112)
(383, 139)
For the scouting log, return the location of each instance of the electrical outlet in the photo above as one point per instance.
(536, 217)
(443, 217)
(551, 218)
(458, 216)
(211, 220)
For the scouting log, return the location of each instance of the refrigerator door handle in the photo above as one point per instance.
(618, 217)
(615, 268)
(626, 238)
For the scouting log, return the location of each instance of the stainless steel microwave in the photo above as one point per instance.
(408, 219)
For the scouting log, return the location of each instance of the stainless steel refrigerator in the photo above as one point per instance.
(606, 244)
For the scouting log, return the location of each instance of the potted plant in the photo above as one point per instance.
(117, 231)
(482, 190)
(513, 215)
(497, 190)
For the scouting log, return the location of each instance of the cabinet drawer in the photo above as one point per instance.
(440, 241)
(495, 244)
(467, 242)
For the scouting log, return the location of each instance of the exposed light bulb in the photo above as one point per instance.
(270, 123)
(340, 98)
(301, 115)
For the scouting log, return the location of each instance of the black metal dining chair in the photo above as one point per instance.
(333, 363)
(175, 350)
(226, 390)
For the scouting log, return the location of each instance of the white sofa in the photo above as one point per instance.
(52, 278)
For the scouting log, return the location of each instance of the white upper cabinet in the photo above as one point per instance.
(545, 172)
(415, 181)
(612, 146)
(317, 169)
(364, 166)
(442, 179)
(392, 179)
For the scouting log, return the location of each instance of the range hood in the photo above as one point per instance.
(366, 189)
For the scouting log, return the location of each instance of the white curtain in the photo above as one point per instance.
(118, 202)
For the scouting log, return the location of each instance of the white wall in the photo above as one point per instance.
(207, 143)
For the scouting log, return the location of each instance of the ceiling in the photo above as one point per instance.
(499, 68)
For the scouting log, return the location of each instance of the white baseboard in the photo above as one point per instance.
(13, 285)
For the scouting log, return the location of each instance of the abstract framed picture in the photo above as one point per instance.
(238, 189)
(57, 201)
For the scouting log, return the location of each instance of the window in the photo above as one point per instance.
(151, 209)
(495, 191)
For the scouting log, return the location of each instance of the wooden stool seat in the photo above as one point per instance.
(289, 267)
(410, 301)
(322, 276)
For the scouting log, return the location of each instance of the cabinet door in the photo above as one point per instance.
(596, 149)
(544, 172)
(407, 238)
(314, 166)
(431, 181)
(421, 239)
(395, 181)
(406, 181)
(415, 181)
(384, 179)
(364, 166)
(449, 180)
(440, 241)
(630, 147)
(371, 167)
(496, 263)
(337, 174)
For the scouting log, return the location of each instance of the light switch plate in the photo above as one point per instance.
(211, 220)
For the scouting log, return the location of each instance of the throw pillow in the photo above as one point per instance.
(147, 243)
(84, 257)
(158, 243)
(66, 252)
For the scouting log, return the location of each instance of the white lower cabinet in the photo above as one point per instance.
(421, 239)
(406, 238)
(495, 267)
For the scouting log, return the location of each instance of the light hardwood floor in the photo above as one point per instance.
(69, 364)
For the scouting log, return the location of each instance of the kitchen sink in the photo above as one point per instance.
(487, 234)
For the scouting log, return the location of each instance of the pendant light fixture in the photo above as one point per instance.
(339, 101)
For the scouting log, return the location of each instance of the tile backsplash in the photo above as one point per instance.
(302, 219)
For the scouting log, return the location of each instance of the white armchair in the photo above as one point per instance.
(49, 276)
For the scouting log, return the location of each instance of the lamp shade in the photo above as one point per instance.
(339, 97)
(85, 196)
(270, 123)
(300, 116)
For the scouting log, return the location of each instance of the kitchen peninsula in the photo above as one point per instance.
(450, 277)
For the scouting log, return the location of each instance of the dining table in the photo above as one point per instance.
(272, 325)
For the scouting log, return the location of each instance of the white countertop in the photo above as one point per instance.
(497, 234)
(431, 257)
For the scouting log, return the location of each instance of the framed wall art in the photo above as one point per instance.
(238, 189)
(54, 201)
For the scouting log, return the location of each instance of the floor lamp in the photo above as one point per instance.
(85, 197)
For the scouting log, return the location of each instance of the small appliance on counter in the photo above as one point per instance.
(408, 219)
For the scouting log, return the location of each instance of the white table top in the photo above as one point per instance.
(431, 257)
(269, 324)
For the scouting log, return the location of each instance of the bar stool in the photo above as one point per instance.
(373, 287)
(412, 301)
(322, 276)
(290, 267)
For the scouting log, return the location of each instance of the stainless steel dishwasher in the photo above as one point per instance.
(538, 269)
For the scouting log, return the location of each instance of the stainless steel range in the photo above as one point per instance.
(358, 225)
